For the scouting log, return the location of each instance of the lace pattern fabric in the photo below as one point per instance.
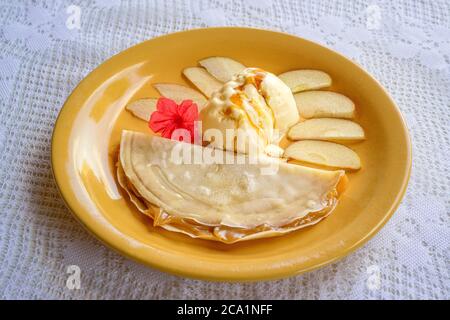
(45, 52)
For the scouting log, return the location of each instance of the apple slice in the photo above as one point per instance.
(179, 93)
(324, 104)
(142, 108)
(327, 129)
(301, 80)
(323, 153)
(204, 82)
(222, 68)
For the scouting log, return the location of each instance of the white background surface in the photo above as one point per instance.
(404, 44)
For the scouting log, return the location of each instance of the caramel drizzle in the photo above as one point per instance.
(237, 99)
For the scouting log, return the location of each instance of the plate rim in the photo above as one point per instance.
(231, 277)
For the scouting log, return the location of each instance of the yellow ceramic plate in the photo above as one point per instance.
(88, 128)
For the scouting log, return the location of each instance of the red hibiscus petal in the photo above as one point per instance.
(188, 111)
(167, 106)
(188, 126)
(158, 116)
(169, 116)
(168, 130)
(184, 105)
(159, 126)
(159, 121)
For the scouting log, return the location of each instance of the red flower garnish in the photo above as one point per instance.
(170, 116)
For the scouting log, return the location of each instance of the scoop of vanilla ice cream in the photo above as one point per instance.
(249, 114)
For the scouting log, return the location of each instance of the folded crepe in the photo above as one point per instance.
(217, 195)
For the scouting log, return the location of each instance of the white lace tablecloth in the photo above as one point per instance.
(45, 52)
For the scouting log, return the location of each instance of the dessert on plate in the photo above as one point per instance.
(249, 155)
